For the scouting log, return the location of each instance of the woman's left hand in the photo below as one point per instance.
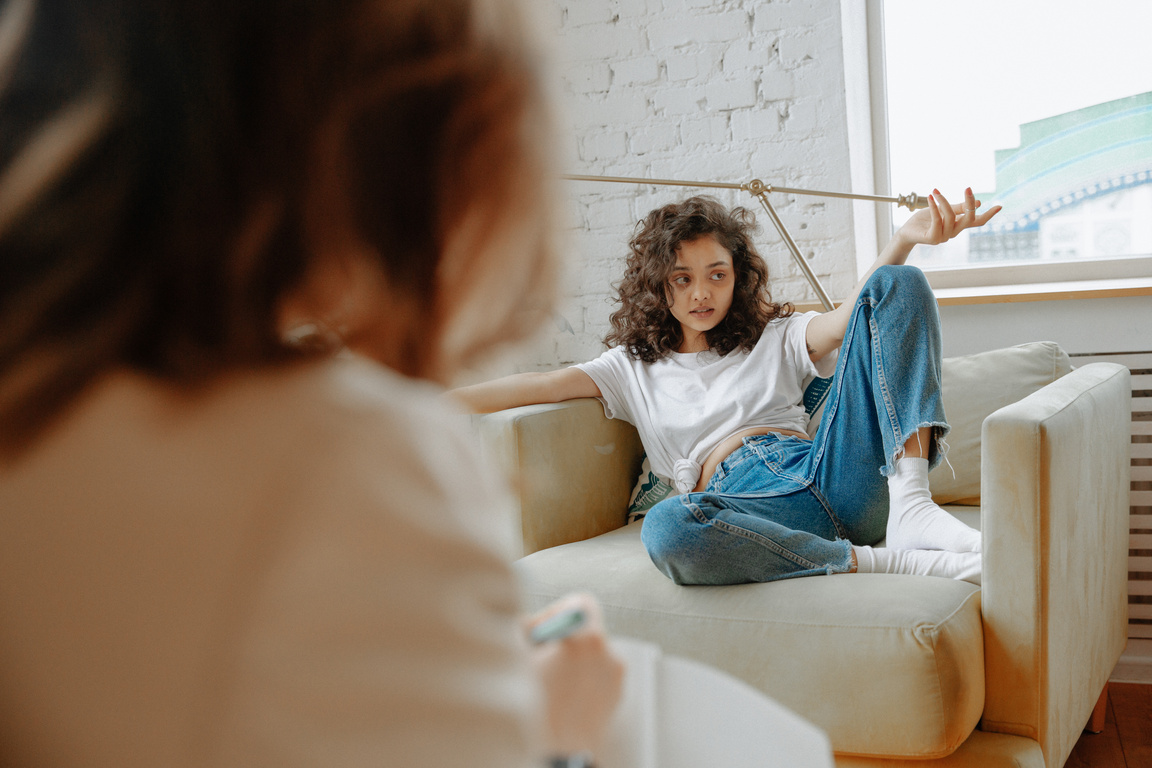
(941, 221)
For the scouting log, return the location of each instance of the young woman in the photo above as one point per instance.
(216, 548)
(710, 371)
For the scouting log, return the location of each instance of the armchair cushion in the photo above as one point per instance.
(975, 386)
(906, 650)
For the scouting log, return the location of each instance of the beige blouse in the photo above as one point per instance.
(304, 567)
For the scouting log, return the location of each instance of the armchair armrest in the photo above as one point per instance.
(1054, 484)
(572, 468)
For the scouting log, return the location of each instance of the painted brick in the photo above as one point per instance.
(707, 130)
(634, 10)
(588, 78)
(605, 212)
(581, 14)
(696, 89)
(634, 71)
(777, 85)
(698, 28)
(619, 109)
(802, 116)
(682, 66)
(745, 59)
(777, 16)
(679, 101)
(795, 49)
(714, 165)
(603, 146)
(755, 124)
(679, 68)
(653, 137)
(601, 43)
(731, 95)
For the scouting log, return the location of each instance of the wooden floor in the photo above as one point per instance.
(1126, 741)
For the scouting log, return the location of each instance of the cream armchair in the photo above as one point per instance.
(899, 670)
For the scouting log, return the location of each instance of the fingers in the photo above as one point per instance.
(983, 218)
(594, 622)
(964, 215)
(947, 223)
(968, 209)
(937, 224)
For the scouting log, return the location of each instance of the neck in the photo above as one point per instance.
(696, 342)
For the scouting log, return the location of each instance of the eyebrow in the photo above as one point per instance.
(682, 268)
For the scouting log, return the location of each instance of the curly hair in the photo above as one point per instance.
(644, 324)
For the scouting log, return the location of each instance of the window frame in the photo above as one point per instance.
(862, 23)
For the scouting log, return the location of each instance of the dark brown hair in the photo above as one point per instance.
(171, 170)
(644, 324)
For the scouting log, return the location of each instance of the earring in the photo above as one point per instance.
(314, 337)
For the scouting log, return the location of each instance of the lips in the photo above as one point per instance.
(702, 312)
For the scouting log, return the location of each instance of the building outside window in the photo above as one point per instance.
(1045, 108)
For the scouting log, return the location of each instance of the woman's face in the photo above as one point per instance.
(700, 289)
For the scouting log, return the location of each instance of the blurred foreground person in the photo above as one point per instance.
(218, 547)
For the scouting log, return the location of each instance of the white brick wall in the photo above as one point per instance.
(726, 90)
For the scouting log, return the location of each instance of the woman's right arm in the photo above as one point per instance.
(526, 389)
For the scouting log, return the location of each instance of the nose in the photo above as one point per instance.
(700, 292)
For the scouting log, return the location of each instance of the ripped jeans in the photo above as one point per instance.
(779, 507)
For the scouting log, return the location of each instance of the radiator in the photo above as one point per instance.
(1140, 521)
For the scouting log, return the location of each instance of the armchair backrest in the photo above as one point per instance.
(572, 468)
(975, 386)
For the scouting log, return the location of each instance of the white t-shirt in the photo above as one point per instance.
(685, 404)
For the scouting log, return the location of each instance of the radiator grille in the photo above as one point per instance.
(1140, 525)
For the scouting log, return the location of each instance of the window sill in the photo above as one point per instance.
(1008, 294)
(1055, 291)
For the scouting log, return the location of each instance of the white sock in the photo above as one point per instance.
(964, 566)
(915, 521)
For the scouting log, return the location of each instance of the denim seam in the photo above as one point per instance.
(838, 381)
(750, 536)
(836, 523)
(779, 471)
(885, 393)
(730, 464)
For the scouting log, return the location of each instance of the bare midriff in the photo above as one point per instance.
(730, 444)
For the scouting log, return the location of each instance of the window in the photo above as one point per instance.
(1045, 108)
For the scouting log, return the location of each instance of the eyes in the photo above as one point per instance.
(683, 281)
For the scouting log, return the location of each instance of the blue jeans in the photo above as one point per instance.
(780, 507)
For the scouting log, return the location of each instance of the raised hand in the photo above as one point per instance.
(942, 221)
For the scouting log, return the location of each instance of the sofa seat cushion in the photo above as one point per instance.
(889, 666)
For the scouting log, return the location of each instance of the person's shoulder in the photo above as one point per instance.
(381, 440)
(782, 324)
(792, 317)
(365, 405)
(616, 358)
(334, 415)
(357, 389)
(616, 353)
